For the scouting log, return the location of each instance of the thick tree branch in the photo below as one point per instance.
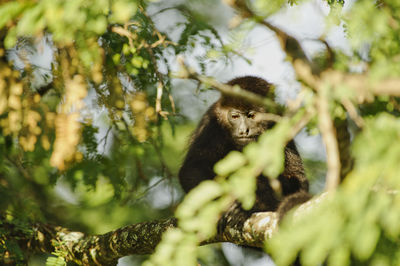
(239, 227)
(106, 249)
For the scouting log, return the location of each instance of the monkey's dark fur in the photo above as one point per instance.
(219, 132)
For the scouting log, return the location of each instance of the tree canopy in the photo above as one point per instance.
(98, 98)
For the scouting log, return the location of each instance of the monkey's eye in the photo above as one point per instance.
(235, 116)
(251, 115)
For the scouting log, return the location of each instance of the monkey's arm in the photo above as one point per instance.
(193, 172)
(292, 201)
(293, 180)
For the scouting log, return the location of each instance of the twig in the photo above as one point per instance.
(351, 110)
(144, 192)
(125, 33)
(161, 159)
(389, 86)
(158, 98)
(171, 100)
(105, 139)
(364, 89)
(288, 43)
(302, 123)
(235, 91)
(305, 75)
(270, 117)
(328, 135)
(131, 137)
(160, 85)
(294, 105)
(331, 53)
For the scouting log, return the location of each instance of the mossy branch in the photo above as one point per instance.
(240, 227)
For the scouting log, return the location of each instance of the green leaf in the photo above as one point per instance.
(122, 10)
(366, 241)
(10, 10)
(11, 38)
(243, 185)
(32, 21)
(205, 192)
(233, 161)
(55, 261)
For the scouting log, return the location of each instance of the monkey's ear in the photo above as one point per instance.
(220, 111)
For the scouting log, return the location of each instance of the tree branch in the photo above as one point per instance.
(235, 91)
(106, 249)
(240, 227)
(328, 133)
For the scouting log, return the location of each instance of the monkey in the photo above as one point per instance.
(230, 124)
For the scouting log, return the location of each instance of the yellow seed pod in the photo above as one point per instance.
(14, 102)
(120, 104)
(31, 142)
(45, 142)
(140, 133)
(3, 104)
(139, 102)
(36, 131)
(31, 119)
(14, 121)
(150, 113)
(78, 157)
(16, 89)
(36, 98)
(3, 85)
(50, 118)
(97, 76)
(6, 72)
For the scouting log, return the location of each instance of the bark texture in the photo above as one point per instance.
(142, 238)
(236, 226)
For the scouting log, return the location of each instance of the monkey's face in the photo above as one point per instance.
(246, 125)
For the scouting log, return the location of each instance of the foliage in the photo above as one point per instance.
(362, 227)
(90, 138)
(107, 58)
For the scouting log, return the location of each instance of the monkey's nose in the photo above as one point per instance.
(244, 131)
